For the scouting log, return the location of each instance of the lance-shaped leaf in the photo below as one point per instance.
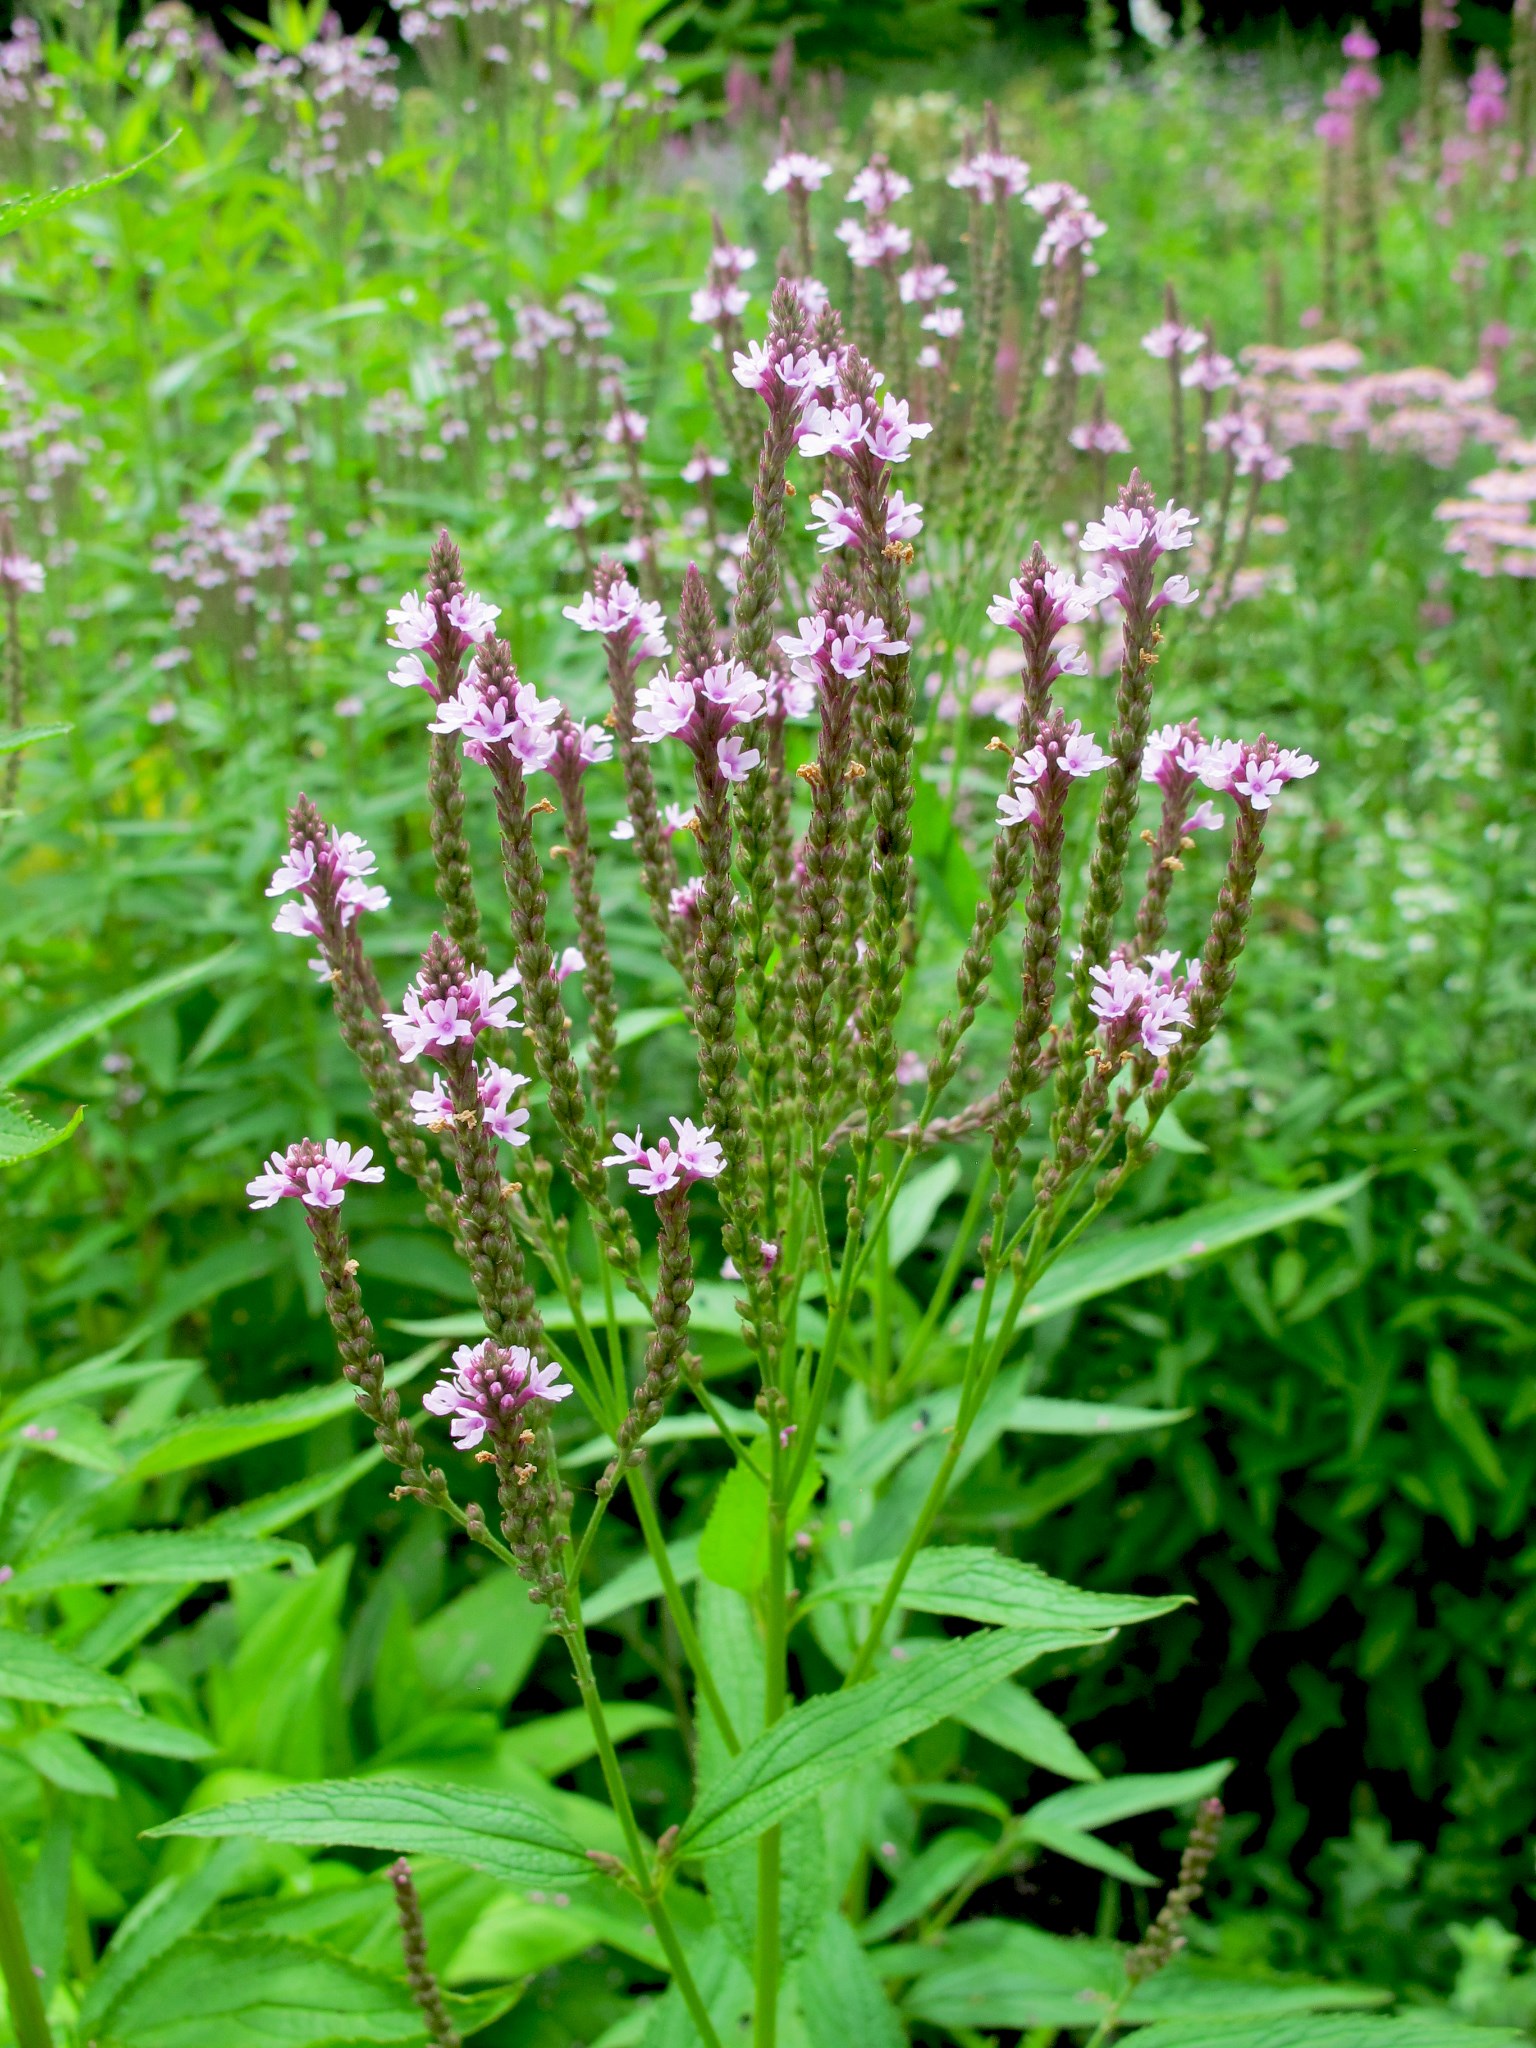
(156, 1557)
(31, 1668)
(83, 1024)
(836, 1733)
(1337, 2030)
(982, 1585)
(24, 1136)
(506, 1837)
(1112, 1799)
(251, 1990)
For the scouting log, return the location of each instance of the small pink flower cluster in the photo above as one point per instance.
(992, 174)
(660, 1168)
(1048, 769)
(624, 616)
(770, 372)
(795, 168)
(1487, 108)
(1253, 771)
(334, 870)
(722, 299)
(1173, 338)
(1070, 225)
(428, 1022)
(876, 240)
(495, 1086)
(1128, 539)
(1143, 1004)
(418, 626)
(317, 1175)
(701, 714)
(487, 717)
(820, 650)
(489, 1389)
(1037, 611)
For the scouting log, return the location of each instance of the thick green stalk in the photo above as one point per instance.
(677, 1607)
(22, 1990)
(770, 1845)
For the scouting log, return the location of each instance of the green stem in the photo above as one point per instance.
(677, 1605)
(770, 1845)
(618, 1794)
(23, 1992)
(922, 1337)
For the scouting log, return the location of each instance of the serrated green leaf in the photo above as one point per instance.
(253, 1990)
(490, 1831)
(557, 1743)
(28, 735)
(31, 1668)
(733, 1550)
(842, 2002)
(640, 1581)
(64, 1760)
(982, 1585)
(156, 1557)
(836, 1732)
(16, 211)
(24, 1136)
(1428, 2030)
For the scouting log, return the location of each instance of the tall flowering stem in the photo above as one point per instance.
(513, 730)
(1172, 761)
(786, 375)
(328, 871)
(18, 573)
(576, 747)
(1131, 538)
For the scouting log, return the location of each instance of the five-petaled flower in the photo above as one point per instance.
(489, 1389)
(435, 1022)
(660, 1168)
(317, 1175)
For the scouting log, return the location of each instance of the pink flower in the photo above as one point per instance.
(1131, 1005)
(623, 615)
(834, 524)
(1099, 437)
(1254, 771)
(625, 427)
(1171, 338)
(877, 187)
(834, 430)
(699, 714)
(872, 245)
(488, 1390)
(944, 321)
(992, 174)
(331, 874)
(736, 760)
(658, 1169)
(435, 1024)
(891, 433)
(414, 622)
(1126, 529)
(22, 573)
(924, 283)
(694, 471)
(317, 1175)
(795, 167)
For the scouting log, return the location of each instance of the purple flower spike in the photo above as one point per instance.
(489, 1388)
(660, 1168)
(317, 1175)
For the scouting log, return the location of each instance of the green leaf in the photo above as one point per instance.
(226, 1432)
(835, 1733)
(29, 735)
(23, 1136)
(1115, 1258)
(1013, 1718)
(1112, 1799)
(156, 1557)
(733, 1550)
(842, 2002)
(1041, 1415)
(65, 1761)
(925, 1878)
(490, 1831)
(142, 1734)
(1088, 1850)
(75, 1030)
(108, 1374)
(983, 1585)
(478, 1649)
(15, 212)
(254, 1990)
(158, 1920)
(915, 1207)
(557, 1743)
(31, 1668)
(1339, 2030)
(640, 1581)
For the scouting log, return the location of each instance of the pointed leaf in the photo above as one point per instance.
(828, 1736)
(142, 1734)
(23, 1136)
(156, 1557)
(1097, 1806)
(983, 1585)
(251, 1990)
(842, 2002)
(1337, 2030)
(74, 1030)
(28, 735)
(1013, 1718)
(31, 1668)
(490, 1831)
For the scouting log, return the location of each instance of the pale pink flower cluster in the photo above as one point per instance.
(1310, 399)
(435, 1024)
(625, 427)
(722, 298)
(1054, 767)
(888, 431)
(837, 525)
(1243, 433)
(520, 720)
(489, 1388)
(623, 615)
(20, 572)
(660, 1168)
(1070, 225)
(495, 1086)
(318, 1176)
(1172, 338)
(1143, 1003)
(770, 371)
(341, 865)
(1037, 611)
(820, 650)
(1125, 537)
(992, 174)
(795, 167)
(702, 713)
(1486, 105)
(1492, 529)
(1100, 437)
(924, 283)
(1175, 759)
(877, 188)
(1253, 771)
(418, 627)
(870, 244)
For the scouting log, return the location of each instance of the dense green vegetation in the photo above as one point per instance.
(244, 387)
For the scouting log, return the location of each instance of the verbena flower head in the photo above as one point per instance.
(877, 187)
(701, 712)
(1041, 776)
(443, 631)
(1253, 771)
(1137, 1007)
(20, 572)
(1172, 338)
(317, 1175)
(575, 748)
(1131, 537)
(992, 174)
(327, 868)
(448, 1006)
(874, 243)
(661, 1168)
(840, 644)
(634, 626)
(489, 1390)
(794, 167)
(493, 711)
(924, 283)
(495, 1085)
